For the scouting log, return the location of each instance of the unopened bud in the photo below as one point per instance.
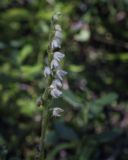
(39, 102)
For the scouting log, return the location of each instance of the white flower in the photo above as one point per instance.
(58, 56)
(56, 83)
(55, 93)
(58, 27)
(60, 74)
(55, 44)
(58, 34)
(47, 71)
(54, 64)
(57, 111)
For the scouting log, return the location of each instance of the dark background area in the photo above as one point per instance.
(95, 41)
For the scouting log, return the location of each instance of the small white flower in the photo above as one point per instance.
(47, 71)
(58, 27)
(58, 56)
(56, 83)
(55, 44)
(55, 93)
(54, 64)
(60, 74)
(58, 34)
(57, 112)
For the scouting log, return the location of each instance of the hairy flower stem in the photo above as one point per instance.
(45, 117)
(45, 111)
(44, 121)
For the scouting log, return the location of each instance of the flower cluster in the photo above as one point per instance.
(54, 70)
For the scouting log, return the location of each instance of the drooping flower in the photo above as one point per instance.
(58, 34)
(58, 56)
(57, 111)
(54, 64)
(55, 44)
(60, 74)
(55, 93)
(56, 83)
(47, 71)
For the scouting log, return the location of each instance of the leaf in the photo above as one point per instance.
(58, 148)
(109, 135)
(51, 138)
(29, 72)
(65, 132)
(69, 97)
(107, 99)
(26, 50)
(76, 68)
(97, 106)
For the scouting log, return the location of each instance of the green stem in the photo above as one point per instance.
(43, 132)
(45, 112)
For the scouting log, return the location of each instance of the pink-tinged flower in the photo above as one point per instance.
(57, 111)
(58, 56)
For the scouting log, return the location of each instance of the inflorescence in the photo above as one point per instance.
(53, 68)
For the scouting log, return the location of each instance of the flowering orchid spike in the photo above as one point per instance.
(57, 111)
(55, 44)
(58, 56)
(56, 83)
(47, 71)
(54, 64)
(55, 93)
(60, 74)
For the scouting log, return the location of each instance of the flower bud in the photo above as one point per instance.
(58, 27)
(55, 18)
(39, 101)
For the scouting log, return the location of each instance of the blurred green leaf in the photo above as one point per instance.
(97, 106)
(65, 132)
(24, 53)
(69, 97)
(109, 135)
(51, 138)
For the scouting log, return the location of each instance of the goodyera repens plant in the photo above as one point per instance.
(54, 75)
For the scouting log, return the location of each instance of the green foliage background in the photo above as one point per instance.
(94, 124)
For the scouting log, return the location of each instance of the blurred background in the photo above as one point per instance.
(95, 41)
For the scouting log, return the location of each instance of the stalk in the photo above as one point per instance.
(51, 74)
